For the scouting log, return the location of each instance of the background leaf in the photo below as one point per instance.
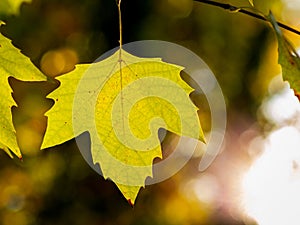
(12, 63)
(288, 58)
(9, 7)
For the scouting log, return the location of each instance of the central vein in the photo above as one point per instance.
(120, 66)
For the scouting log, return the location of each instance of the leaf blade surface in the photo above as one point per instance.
(122, 102)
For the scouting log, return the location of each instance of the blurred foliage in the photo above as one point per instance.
(56, 186)
(8, 7)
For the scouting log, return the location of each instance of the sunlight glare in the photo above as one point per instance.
(292, 4)
(272, 185)
(282, 106)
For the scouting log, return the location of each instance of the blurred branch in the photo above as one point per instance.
(232, 8)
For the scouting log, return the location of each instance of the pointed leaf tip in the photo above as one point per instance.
(251, 2)
(297, 95)
(130, 203)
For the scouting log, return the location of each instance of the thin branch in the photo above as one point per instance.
(240, 10)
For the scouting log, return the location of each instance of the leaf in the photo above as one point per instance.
(251, 2)
(12, 63)
(122, 102)
(4, 148)
(288, 58)
(9, 7)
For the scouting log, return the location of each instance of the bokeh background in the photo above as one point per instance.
(254, 180)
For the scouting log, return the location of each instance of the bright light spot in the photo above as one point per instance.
(272, 185)
(292, 4)
(290, 12)
(282, 106)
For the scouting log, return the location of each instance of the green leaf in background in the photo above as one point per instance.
(12, 64)
(122, 103)
(288, 58)
(11, 7)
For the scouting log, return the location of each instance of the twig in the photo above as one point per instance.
(240, 10)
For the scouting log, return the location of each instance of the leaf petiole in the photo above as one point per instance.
(120, 27)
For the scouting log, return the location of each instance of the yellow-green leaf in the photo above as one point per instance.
(288, 58)
(122, 101)
(251, 2)
(12, 64)
(4, 148)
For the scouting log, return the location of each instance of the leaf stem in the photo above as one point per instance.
(120, 25)
(246, 12)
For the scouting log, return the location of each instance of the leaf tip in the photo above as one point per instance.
(202, 138)
(297, 95)
(130, 202)
(7, 151)
(274, 23)
(251, 2)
